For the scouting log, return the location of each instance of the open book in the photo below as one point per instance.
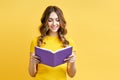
(51, 58)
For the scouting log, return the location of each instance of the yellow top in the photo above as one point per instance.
(46, 72)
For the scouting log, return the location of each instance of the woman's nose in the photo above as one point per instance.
(54, 22)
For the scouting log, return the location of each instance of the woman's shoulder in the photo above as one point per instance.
(71, 42)
(69, 39)
(34, 39)
(33, 44)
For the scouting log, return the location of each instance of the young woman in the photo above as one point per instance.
(53, 31)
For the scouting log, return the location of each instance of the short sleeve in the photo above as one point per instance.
(32, 45)
(72, 43)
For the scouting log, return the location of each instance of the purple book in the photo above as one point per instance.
(51, 58)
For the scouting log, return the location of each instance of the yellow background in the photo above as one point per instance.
(93, 24)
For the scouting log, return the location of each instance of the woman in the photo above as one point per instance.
(53, 31)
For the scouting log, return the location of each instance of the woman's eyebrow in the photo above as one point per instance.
(52, 18)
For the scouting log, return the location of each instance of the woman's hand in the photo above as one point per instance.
(71, 58)
(71, 68)
(34, 59)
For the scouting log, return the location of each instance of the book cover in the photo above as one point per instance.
(51, 58)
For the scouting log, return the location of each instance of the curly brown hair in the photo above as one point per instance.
(44, 28)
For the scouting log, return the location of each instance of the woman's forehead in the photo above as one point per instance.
(53, 15)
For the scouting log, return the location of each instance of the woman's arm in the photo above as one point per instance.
(71, 67)
(33, 63)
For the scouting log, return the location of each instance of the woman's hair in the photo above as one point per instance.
(44, 28)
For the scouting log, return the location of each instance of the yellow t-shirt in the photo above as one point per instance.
(51, 73)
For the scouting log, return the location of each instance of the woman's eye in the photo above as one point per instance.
(57, 20)
(49, 20)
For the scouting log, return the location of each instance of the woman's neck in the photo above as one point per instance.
(53, 34)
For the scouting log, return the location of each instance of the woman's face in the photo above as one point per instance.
(53, 22)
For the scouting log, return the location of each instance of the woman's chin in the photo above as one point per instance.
(54, 30)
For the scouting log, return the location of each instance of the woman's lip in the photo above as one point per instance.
(54, 26)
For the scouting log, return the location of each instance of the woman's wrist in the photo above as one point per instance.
(71, 63)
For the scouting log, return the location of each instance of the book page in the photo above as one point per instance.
(54, 51)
